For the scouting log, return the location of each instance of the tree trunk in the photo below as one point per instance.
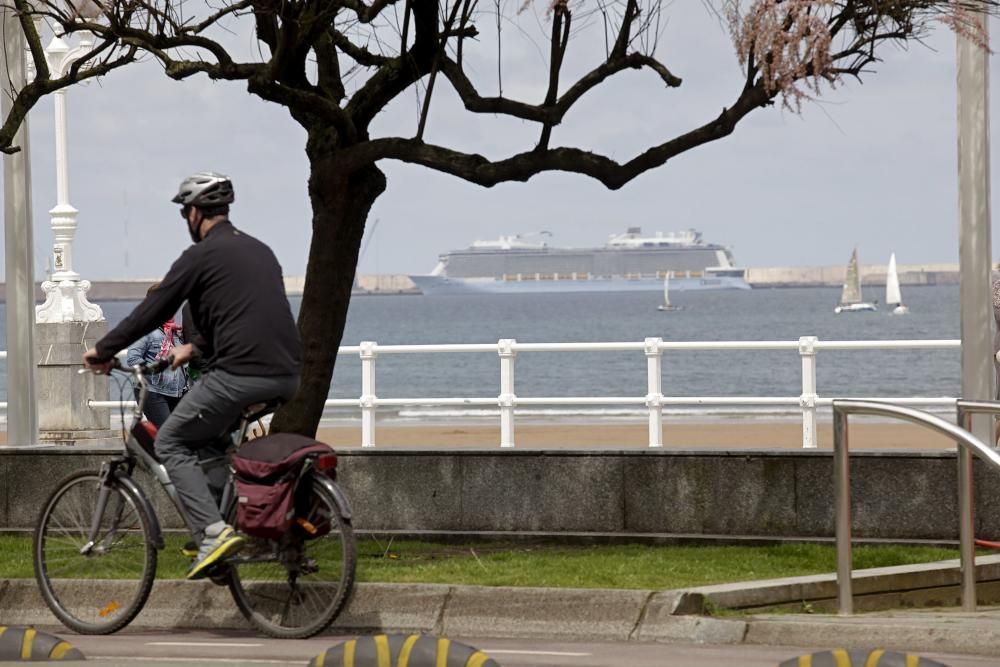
(340, 203)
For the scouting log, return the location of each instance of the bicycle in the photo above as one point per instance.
(98, 527)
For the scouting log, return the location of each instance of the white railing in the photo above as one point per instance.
(507, 401)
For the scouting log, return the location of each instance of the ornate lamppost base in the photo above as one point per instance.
(66, 301)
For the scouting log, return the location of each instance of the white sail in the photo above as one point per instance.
(666, 290)
(852, 283)
(892, 293)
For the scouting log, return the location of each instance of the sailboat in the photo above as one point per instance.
(665, 306)
(892, 293)
(850, 297)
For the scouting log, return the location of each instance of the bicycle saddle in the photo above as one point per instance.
(255, 411)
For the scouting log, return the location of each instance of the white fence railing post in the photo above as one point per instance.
(369, 351)
(654, 390)
(507, 399)
(807, 350)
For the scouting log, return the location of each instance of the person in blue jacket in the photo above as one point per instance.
(166, 388)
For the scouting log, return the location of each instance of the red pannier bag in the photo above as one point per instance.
(266, 472)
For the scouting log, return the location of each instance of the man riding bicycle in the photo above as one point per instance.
(249, 344)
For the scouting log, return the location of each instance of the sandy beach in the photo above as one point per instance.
(604, 435)
(684, 435)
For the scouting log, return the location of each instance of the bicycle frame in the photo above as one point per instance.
(135, 452)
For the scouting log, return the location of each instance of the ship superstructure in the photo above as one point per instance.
(627, 262)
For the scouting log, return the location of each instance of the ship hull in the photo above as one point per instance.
(432, 285)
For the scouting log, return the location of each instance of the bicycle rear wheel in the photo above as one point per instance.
(294, 587)
(96, 590)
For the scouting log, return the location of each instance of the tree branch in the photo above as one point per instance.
(358, 54)
(26, 98)
(553, 114)
(422, 123)
(625, 31)
(234, 8)
(33, 39)
(560, 39)
(402, 71)
(521, 167)
(367, 13)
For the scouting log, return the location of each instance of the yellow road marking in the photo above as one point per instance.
(29, 639)
(442, 652)
(477, 659)
(840, 655)
(805, 661)
(874, 657)
(60, 649)
(404, 652)
(349, 653)
(912, 661)
(320, 659)
(382, 651)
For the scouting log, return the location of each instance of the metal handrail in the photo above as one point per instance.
(966, 443)
(506, 402)
(964, 409)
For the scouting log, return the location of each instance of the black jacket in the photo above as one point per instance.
(234, 286)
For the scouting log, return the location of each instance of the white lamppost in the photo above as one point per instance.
(65, 293)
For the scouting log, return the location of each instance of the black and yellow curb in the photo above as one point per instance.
(29, 645)
(860, 658)
(402, 651)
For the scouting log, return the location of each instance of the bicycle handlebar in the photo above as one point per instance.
(150, 368)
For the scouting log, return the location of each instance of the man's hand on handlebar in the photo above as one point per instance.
(181, 354)
(90, 362)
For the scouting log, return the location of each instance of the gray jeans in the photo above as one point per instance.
(211, 407)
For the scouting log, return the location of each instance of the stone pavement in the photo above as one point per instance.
(557, 614)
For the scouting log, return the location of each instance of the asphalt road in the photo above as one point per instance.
(184, 648)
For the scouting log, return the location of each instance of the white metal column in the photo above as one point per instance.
(654, 390)
(369, 352)
(974, 226)
(22, 417)
(507, 400)
(807, 350)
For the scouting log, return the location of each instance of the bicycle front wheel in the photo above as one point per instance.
(294, 587)
(99, 587)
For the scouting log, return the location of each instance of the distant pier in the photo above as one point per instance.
(758, 277)
(833, 276)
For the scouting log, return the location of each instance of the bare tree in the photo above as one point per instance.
(336, 64)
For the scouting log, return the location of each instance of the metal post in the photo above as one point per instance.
(654, 390)
(369, 351)
(966, 520)
(807, 350)
(842, 511)
(974, 224)
(22, 416)
(507, 398)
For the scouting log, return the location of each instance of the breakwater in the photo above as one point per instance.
(758, 277)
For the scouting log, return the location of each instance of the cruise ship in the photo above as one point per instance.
(627, 262)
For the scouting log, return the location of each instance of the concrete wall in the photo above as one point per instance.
(135, 290)
(761, 493)
(833, 276)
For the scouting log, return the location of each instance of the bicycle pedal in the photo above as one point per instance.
(306, 526)
(190, 550)
(219, 574)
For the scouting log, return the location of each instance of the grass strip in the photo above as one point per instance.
(630, 566)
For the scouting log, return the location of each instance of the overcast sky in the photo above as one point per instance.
(871, 165)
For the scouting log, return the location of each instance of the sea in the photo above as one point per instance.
(779, 314)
